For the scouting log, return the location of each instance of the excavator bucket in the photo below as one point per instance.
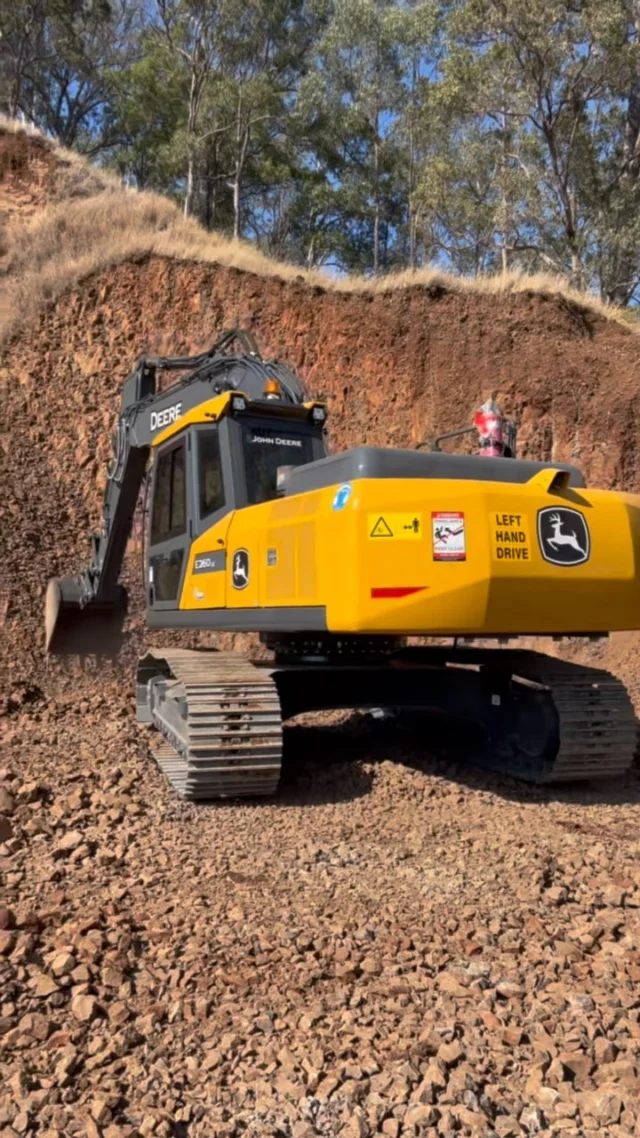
(74, 628)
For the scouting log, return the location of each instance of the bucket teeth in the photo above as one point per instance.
(229, 742)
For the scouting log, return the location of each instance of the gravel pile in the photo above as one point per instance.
(398, 945)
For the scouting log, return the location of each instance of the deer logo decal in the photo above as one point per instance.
(563, 536)
(240, 569)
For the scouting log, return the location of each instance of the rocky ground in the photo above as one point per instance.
(397, 945)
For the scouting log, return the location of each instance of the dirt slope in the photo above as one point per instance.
(28, 170)
(34, 172)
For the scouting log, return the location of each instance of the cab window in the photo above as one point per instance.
(265, 449)
(169, 513)
(210, 486)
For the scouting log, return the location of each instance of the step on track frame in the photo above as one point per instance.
(220, 721)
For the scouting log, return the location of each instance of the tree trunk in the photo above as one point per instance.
(577, 268)
(243, 134)
(191, 130)
(20, 61)
(311, 252)
(240, 153)
(412, 238)
(213, 204)
(505, 220)
(188, 198)
(412, 166)
(376, 149)
(198, 77)
(16, 90)
(236, 207)
(625, 259)
(631, 147)
(376, 213)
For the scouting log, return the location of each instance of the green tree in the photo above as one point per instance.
(360, 134)
(357, 80)
(60, 63)
(556, 82)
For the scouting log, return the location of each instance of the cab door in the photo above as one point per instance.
(263, 445)
(169, 537)
(205, 585)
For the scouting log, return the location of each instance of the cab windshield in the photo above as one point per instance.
(265, 449)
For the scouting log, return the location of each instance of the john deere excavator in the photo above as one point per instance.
(335, 561)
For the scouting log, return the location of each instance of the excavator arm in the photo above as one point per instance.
(85, 613)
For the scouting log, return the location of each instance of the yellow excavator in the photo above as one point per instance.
(336, 560)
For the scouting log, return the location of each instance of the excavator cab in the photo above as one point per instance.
(205, 474)
(227, 436)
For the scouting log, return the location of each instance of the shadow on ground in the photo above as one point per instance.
(335, 762)
(450, 754)
(325, 762)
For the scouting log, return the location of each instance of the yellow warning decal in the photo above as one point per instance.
(398, 527)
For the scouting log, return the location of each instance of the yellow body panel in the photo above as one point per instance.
(289, 528)
(304, 552)
(207, 590)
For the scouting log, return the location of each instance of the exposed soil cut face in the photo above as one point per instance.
(394, 368)
(34, 171)
(28, 173)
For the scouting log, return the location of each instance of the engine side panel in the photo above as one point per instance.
(438, 556)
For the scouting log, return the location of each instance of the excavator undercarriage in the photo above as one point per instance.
(536, 718)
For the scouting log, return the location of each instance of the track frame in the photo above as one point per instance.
(537, 719)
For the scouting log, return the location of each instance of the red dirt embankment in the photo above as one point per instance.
(28, 173)
(394, 367)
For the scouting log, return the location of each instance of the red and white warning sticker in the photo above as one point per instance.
(448, 537)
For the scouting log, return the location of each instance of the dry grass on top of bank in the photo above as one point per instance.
(91, 222)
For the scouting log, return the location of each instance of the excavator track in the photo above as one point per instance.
(542, 720)
(220, 720)
(539, 719)
(596, 719)
(595, 733)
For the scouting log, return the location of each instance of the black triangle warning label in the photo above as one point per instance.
(381, 529)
